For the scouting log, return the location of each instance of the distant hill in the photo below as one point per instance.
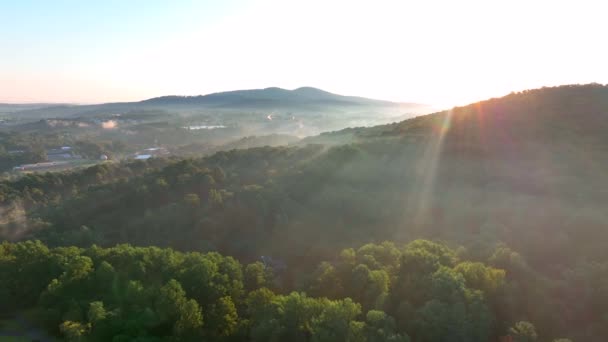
(564, 114)
(7, 108)
(301, 99)
(526, 161)
(271, 97)
(518, 181)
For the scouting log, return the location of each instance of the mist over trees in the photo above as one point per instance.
(472, 224)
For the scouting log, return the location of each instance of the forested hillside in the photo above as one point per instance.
(513, 188)
(421, 291)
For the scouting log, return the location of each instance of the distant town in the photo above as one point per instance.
(64, 157)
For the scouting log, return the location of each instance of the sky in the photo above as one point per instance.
(437, 52)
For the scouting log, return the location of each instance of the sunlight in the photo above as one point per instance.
(268, 170)
(428, 169)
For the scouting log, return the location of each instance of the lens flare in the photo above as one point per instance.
(428, 169)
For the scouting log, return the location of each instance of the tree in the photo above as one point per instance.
(369, 287)
(256, 276)
(222, 318)
(219, 175)
(385, 255)
(334, 322)
(171, 296)
(419, 261)
(190, 320)
(481, 277)
(192, 201)
(326, 282)
(509, 260)
(78, 268)
(447, 285)
(523, 332)
(74, 331)
(173, 307)
(96, 313)
(215, 198)
(381, 327)
(260, 303)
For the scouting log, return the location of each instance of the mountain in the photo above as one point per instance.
(565, 114)
(301, 112)
(270, 97)
(9, 108)
(518, 182)
(301, 99)
(522, 164)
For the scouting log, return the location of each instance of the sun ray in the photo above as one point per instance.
(428, 169)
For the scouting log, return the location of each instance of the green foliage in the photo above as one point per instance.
(523, 332)
(96, 313)
(381, 327)
(480, 277)
(190, 319)
(516, 186)
(301, 318)
(125, 293)
(256, 276)
(223, 318)
(74, 331)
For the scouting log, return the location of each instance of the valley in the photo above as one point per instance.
(512, 183)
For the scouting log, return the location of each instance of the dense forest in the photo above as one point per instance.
(508, 194)
(422, 291)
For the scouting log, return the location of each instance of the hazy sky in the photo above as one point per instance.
(430, 51)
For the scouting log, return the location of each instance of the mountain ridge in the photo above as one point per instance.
(272, 98)
(517, 181)
(300, 94)
(533, 111)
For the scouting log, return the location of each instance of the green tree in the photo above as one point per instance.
(190, 320)
(334, 322)
(326, 282)
(222, 318)
(256, 276)
(369, 287)
(481, 277)
(74, 331)
(96, 313)
(523, 332)
(192, 201)
(381, 327)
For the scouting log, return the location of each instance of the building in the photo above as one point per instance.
(40, 166)
(61, 153)
(156, 151)
(151, 152)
